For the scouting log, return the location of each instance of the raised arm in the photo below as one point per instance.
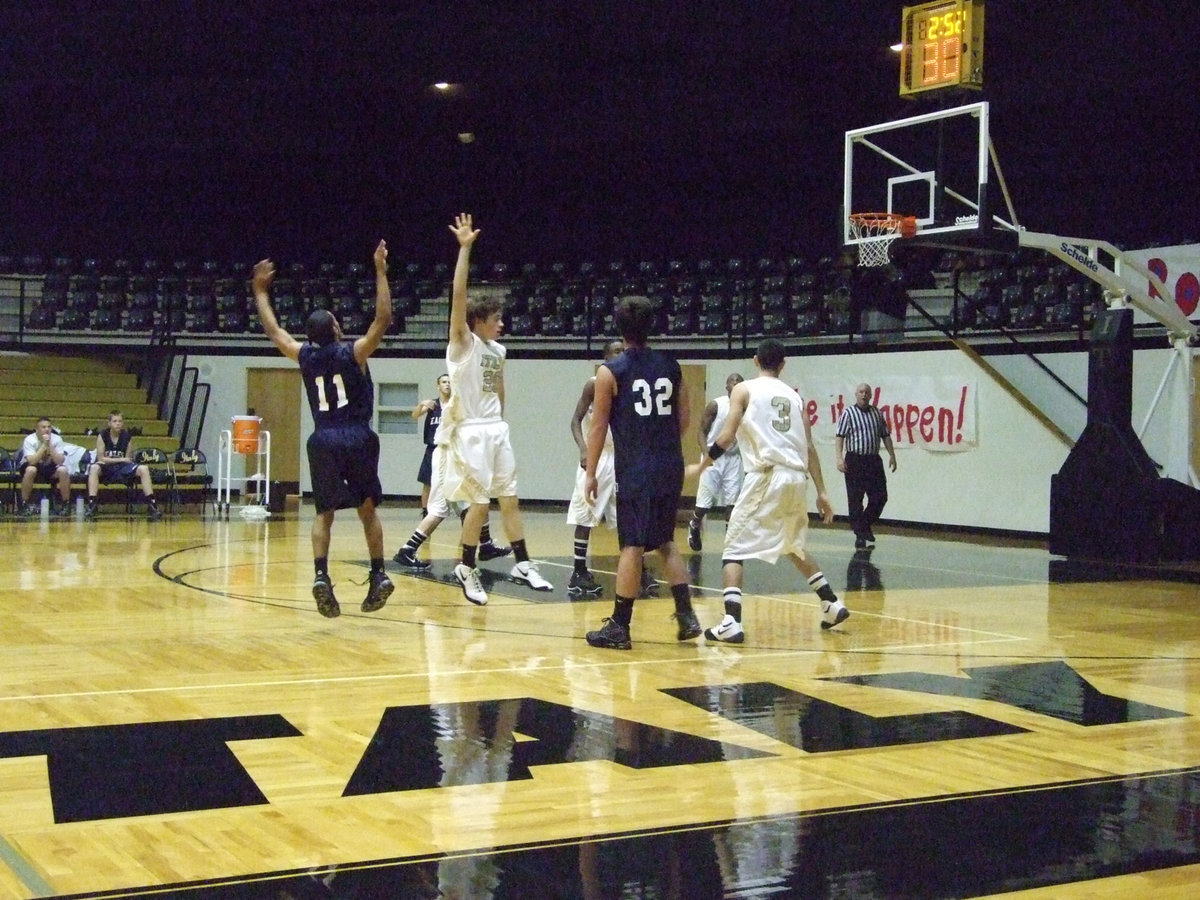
(460, 334)
(367, 344)
(264, 274)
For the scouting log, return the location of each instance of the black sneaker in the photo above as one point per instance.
(31, 510)
(649, 586)
(583, 584)
(492, 550)
(689, 626)
(860, 543)
(694, 541)
(377, 594)
(153, 513)
(327, 604)
(89, 509)
(62, 510)
(405, 557)
(611, 635)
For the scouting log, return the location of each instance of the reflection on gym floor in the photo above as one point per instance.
(179, 721)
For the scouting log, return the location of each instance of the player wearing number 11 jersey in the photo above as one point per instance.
(343, 450)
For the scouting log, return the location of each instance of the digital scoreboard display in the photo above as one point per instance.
(941, 46)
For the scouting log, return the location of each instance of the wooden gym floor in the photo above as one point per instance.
(177, 720)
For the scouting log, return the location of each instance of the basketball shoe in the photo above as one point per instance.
(583, 584)
(405, 557)
(833, 613)
(472, 588)
(377, 594)
(527, 573)
(728, 632)
(689, 625)
(611, 635)
(322, 591)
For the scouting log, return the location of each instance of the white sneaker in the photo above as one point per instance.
(833, 614)
(528, 573)
(468, 580)
(728, 632)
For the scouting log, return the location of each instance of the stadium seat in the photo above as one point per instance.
(714, 323)
(780, 323)
(683, 323)
(139, 319)
(106, 320)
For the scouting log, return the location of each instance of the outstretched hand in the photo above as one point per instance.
(381, 258)
(463, 231)
(264, 274)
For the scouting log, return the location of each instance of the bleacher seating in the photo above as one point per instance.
(752, 295)
(77, 395)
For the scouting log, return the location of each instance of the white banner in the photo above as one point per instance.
(930, 412)
(1179, 269)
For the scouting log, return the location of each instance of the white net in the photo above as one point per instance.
(875, 233)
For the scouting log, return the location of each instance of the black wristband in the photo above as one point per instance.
(715, 451)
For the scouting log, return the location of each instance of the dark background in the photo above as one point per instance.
(307, 130)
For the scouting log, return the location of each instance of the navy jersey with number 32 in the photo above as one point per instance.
(644, 422)
(340, 392)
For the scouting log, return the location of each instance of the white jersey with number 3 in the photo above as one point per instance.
(771, 432)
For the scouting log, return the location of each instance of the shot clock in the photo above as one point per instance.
(942, 46)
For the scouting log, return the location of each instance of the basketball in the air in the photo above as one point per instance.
(908, 226)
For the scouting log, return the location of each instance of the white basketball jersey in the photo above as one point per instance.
(719, 422)
(771, 432)
(586, 425)
(473, 384)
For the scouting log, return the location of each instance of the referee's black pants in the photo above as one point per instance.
(865, 478)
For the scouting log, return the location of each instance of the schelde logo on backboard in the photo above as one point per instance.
(1075, 254)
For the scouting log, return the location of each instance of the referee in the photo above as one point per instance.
(859, 431)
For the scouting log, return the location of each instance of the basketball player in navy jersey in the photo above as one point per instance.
(640, 395)
(114, 463)
(432, 411)
(343, 450)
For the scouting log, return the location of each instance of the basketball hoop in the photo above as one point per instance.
(875, 233)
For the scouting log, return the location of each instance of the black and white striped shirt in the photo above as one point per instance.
(862, 429)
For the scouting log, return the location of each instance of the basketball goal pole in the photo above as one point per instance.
(1128, 283)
